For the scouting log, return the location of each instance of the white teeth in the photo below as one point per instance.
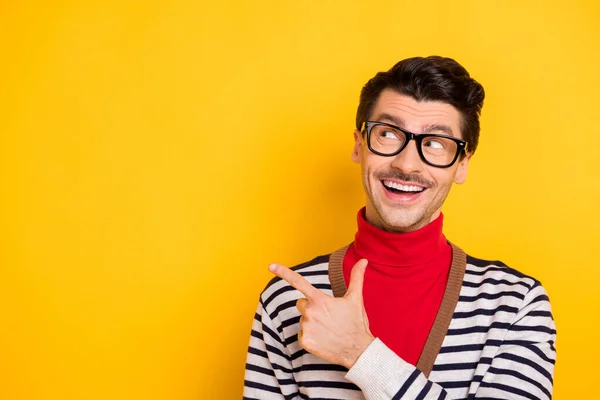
(404, 188)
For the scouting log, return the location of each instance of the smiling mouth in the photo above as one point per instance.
(398, 188)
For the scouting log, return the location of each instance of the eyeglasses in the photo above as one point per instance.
(436, 150)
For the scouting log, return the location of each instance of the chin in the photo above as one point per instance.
(401, 221)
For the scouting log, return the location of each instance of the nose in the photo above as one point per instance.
(408, 160)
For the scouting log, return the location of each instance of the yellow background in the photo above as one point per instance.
(155, 156)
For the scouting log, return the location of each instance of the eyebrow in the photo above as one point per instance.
(390, 118)
(439, 127)
(428, 129)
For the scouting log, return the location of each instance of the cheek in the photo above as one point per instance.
(443, 177)
(373, 164)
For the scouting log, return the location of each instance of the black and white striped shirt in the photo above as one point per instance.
(494, 338)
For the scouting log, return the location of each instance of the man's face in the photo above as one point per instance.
(423, 188)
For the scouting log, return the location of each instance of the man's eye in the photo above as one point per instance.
(389, 135)
(434, 144)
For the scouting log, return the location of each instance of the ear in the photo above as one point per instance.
(358, 143)
(462, 169)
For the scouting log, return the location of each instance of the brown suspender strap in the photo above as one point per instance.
(444, 314)
(336, 276)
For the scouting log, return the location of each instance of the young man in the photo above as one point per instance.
(401, 312)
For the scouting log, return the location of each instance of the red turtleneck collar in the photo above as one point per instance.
(404, 283)
(399, 249)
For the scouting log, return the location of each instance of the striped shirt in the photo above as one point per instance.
(493, 338)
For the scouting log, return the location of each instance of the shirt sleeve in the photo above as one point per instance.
(523, 367)
(268, 364)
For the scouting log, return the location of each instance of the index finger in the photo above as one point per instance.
(296, 280)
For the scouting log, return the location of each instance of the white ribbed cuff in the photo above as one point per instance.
(376, 369)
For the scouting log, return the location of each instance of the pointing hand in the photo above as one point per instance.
(333, 329)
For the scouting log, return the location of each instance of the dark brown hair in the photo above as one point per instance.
(431, 78)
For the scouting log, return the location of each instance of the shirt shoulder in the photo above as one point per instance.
(494, 271)
(488, 282)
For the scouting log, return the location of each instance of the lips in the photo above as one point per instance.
(402, 192)
(399, 187)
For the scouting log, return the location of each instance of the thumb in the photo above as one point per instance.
(357, 278)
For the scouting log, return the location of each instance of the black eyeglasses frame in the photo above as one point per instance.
(461, 144)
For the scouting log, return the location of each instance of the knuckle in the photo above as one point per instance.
(301, 339)
(301, 305)
(309, 313)
(305, 342)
